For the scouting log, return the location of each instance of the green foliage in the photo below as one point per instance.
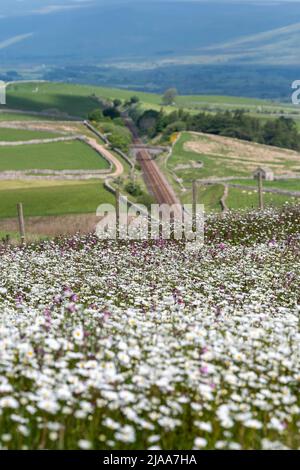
(133, 189)
(148, 122)
(112, 113)
(119, 136)
(280, 132)
(134, 100)
(177, 126)
(169, 96)
(95, 115)
(117, 102)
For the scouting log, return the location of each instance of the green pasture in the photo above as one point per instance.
(221, 165)
(12, 135)
(214, 165)
(72, 155)
(210, 196)
(4, 116)
(288, 184)
(62, 199)
(248, 199)
(78, 100)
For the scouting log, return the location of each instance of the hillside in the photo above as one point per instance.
(214, 161)
(55, 199)
(211, 47)
(110, 30)
(78, 100)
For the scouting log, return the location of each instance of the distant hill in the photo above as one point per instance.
(278, 46)
(231, 48)
(148, 33)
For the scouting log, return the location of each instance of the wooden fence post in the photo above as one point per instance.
(172, 225)
(194, 206)
(117, 214)
(260, 190)
(21, 223)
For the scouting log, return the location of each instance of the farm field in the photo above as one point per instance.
(82, 369)
(223, 156)
(238, 199)
(247, 199)
(52, 198)
(78, 100)
(56, 203)
(7, 117)
(220, 158)
(13, 135)
(210, 196)
(53, 156)
(203, 156)
(288, 184)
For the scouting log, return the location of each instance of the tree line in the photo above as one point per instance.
(279, 132)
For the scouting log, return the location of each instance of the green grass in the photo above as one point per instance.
(221, 100)
(288, 185)
(248, 199)
(78, 100)
(213, 165)
(223, 166)
(22, 117)
(210, 196)
(76, 198)
(53, 156)
(75, 100)
(226, 163)
(12, 135)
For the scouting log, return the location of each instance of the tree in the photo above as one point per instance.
(169, 96)
(147, 122)
(112, 113)
(134, 100)
(95, 115)
(117, 103)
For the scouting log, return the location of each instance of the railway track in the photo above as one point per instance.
(156, 182)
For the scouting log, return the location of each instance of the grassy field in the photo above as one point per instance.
(78, 100)
(208, 195)
(288, 184)
(4, 116)
(53, 156)
(12, 135)
(57, 198)
(222, 157)
(247, 199)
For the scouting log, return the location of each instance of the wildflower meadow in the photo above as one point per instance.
(141, 345)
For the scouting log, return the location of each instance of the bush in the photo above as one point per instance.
(119, 136)
(95, 115)
(113, 113)
(177, 126)
(133, 189)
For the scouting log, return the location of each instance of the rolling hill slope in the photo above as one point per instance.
(144, 33)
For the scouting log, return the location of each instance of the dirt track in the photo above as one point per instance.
(119, 169)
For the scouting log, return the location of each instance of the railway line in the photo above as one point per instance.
(156, 182)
